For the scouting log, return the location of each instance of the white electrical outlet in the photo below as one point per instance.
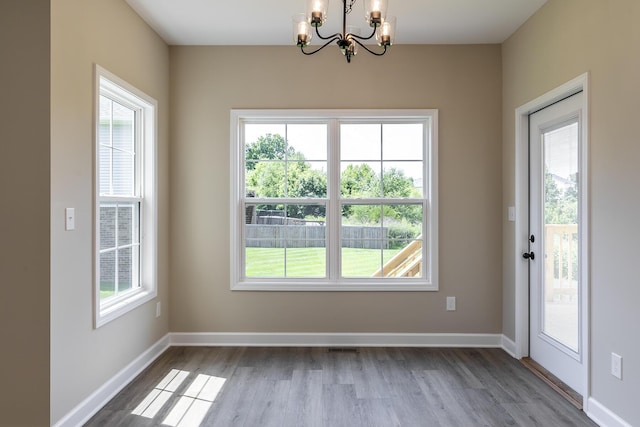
(616, 365)
(158, 309)
(451, 303)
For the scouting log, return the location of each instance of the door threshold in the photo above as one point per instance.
(554, 382)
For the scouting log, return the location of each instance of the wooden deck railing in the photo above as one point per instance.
(561, 262)
(406, 263)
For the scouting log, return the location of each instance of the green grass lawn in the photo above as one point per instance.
(310, 262)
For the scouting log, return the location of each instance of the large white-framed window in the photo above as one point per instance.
(125, 224)
(325, 200)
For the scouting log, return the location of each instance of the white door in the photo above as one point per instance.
(555, 257)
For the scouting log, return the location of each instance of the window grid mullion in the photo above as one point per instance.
(286, 193)
(116, 285)
(111, 147)
(382, 195)
(334, 220)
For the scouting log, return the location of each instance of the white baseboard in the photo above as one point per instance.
(92, 404)
(334, 339)
(602, 416)
(509, 346)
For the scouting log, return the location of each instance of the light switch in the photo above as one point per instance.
(70, 219)
(512, 213)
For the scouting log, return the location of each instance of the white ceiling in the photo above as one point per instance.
(268, 22)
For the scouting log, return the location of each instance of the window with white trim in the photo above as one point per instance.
(125, 178)
(334, 200)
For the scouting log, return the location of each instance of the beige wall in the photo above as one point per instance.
(110, 34)
(24, 212)
(463, 82)
(564, 39)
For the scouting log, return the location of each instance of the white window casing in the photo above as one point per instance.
(133, 202)
(334, 280)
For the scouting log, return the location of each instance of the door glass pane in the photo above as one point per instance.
(560, 314)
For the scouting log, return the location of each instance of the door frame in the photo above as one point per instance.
(521, 266)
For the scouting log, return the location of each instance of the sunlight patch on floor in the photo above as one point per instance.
(193, 404)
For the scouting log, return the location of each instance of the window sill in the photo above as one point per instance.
(349, 286)
(116, 309)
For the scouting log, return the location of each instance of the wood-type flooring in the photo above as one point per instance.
(258, 386)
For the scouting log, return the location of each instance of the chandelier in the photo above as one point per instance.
(375, 14)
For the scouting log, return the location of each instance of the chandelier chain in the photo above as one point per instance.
(349, 5)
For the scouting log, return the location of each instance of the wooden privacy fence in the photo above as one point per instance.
(313, 236)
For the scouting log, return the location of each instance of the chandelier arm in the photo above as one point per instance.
(328, 37)
(355, 36)
(371, 51)
(335, 38)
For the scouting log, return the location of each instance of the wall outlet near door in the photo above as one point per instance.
(616, 365)
(451, 303)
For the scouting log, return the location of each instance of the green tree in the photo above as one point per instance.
(267, 147)
(359, 181)
(395, 184)
(560, 206)
(275, 169)
(362, 181)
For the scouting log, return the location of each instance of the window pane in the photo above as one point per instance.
(266, 179)
(104, 128)
(310, 140)
(123, 128)
(402, 141)
(358, 262)
(307, 261)
(305, 235)
(360, 179)
(107, 226)
(286, 179)
(107, 274)
(126, 269)
(270, 214)
(263, 260)
(402, 179)
(260, 132)
(128, 217)
(307, 179)
(267, 146)
(264, 240)
(361, 215)
(360, 141)
(404, 221)
(363, 239)
(105, 170)
(123, 173)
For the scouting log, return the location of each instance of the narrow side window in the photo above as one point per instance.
(125, 194)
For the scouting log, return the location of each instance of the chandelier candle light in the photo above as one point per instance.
(375, 13)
